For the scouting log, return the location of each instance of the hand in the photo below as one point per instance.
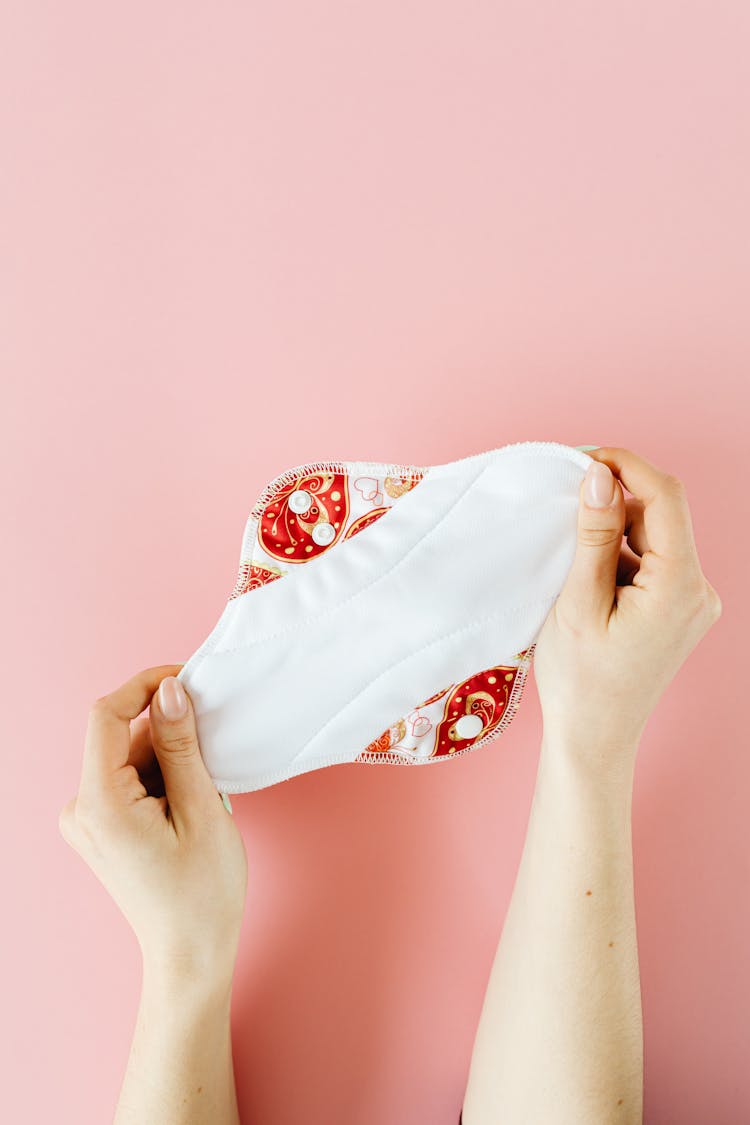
(151, 825)
(628, 616)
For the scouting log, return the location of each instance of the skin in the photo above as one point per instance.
(559, 1038)
(149, 822)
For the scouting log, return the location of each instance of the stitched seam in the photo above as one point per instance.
(382, 467)
(341, 467)
(363, 589)
(252, 784)
(410, 656)
(512, 706)
(250, 534)
(208, 646)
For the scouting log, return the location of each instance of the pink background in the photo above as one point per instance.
(236, 238)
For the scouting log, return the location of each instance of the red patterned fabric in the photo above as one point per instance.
(338, 499)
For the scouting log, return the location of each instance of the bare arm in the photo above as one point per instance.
(153, 828)
(560, 1037)
(180, 1067)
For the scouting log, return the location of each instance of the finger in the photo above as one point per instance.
(107, 742)
(141, 748)
(148, 766)
(589, 591)
(187, 783)
(143, 756)
(628, 566)
(666, 515)
(635, 528)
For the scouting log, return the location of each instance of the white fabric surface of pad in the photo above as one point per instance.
(458, 576)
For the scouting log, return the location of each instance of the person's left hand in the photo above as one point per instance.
(153, 828)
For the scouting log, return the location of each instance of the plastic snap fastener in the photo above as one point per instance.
(323, 534)
(469, 726)
(300, 501)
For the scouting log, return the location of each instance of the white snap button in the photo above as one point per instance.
(323, 534)
(300, 501)
(469, 726)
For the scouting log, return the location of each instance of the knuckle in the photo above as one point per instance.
(568, 622)
(65, 819)
(78, 827)
(713, 600)
(100, 706)
(90, 818)
(179, 744)
(702, 602)
(599, 536)
(674, 485)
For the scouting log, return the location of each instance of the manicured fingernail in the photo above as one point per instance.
(172, 698)
(599, 485)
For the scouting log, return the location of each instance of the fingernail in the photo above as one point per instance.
(172, 698)
(599, 485)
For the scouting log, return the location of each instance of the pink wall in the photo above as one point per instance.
(237, 238)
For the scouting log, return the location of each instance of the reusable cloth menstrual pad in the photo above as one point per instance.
(384, 613)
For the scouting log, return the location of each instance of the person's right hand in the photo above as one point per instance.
(627, 617)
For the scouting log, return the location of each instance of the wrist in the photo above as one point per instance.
(180, 975)
(184, 997)
(608, 763)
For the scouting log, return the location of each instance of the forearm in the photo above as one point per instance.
(560, 1033)
(180, 1067)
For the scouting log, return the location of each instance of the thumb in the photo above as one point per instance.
(589, 590)
(175, 741)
